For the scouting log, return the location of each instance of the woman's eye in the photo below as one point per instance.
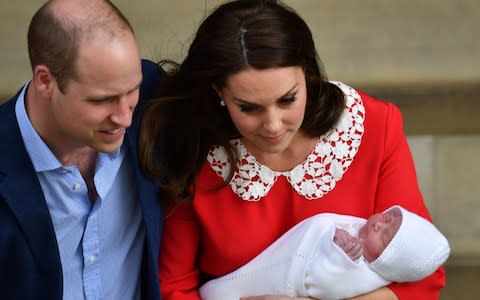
(247, 108)
(288, 100)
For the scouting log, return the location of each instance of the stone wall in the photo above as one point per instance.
(423, 55)
(394, 42)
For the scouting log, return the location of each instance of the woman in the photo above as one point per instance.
(248, 138)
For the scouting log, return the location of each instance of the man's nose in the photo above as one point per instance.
(123, 112)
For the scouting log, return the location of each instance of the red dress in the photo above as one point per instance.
(361, 167)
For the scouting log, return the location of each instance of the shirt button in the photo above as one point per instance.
(91, 259)
(76, 186)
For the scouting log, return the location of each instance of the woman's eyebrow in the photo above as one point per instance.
(288, 93)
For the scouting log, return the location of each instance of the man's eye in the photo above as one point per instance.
(102, 101)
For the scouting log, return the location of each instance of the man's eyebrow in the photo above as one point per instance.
(108, 96)
(139, 84)
(288, 93)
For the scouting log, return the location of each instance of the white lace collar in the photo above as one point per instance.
(317, 175)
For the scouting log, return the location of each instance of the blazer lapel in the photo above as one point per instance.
(147, 194)
(21, 190)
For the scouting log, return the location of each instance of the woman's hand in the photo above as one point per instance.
(273, 297)
(383, 293)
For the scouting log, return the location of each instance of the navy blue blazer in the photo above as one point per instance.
(29, 259)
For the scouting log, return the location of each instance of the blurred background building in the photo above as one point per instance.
(423, 55)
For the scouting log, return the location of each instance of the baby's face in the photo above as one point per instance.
(378, 232)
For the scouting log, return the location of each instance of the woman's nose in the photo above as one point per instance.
(273, 122)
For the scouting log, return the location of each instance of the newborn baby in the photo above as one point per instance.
(373, 236)
(320, 257)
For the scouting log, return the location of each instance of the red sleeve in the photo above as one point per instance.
(398, 185)
(179, 276)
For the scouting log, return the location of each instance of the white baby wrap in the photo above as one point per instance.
(304, 262)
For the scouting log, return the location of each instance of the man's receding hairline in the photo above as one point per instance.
(83, 22)
(91, 18)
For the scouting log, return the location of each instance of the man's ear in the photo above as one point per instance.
(44, 81)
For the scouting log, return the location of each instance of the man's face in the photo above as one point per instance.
(97, 105)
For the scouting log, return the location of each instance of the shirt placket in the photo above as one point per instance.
(91, 259)
(92, 283)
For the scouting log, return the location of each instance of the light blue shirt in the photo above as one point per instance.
(101, 243)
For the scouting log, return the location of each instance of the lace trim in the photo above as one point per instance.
(317, 175)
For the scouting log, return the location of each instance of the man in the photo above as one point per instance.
(78, 220)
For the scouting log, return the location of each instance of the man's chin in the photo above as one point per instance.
(108, 148)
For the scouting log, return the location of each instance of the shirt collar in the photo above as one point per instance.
(42, 157)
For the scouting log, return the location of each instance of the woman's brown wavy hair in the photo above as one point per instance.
(185, 121)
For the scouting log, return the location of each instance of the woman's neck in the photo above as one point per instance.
(296, 153)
